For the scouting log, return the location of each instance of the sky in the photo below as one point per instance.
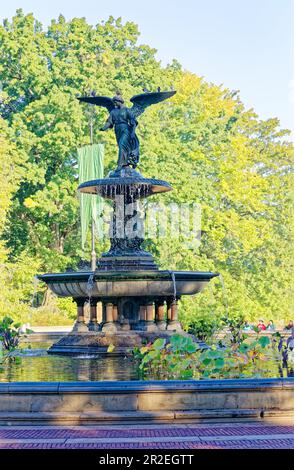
(246, 45)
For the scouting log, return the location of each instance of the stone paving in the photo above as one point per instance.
(240, 435)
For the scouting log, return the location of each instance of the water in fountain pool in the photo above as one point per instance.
(37, 366)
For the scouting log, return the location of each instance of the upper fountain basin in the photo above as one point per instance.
(125, 181)
(125, 284)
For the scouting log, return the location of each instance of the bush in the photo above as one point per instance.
(204, 327)
(55, 312)
(44, 316)
(9, 333)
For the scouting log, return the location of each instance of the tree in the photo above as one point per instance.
(212, 150)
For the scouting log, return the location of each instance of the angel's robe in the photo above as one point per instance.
(124, 123)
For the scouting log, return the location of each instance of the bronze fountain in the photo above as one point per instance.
(131, 300)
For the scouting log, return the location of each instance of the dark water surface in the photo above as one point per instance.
(37, 366)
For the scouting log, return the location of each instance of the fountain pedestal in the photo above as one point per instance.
(130, 307)
(139, 301)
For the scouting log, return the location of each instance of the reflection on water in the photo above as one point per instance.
(36, 366)
(42, 367)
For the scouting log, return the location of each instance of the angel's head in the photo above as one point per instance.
(118, 101)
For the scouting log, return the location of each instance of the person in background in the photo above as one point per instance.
(271, 326)
(247, 326)
(289, 326)
(261, 326)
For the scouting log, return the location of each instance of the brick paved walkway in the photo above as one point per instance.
(185, 436)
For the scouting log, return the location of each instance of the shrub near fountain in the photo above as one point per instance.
(131, 300)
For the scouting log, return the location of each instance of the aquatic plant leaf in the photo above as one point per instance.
(264, 341)
(192, 347)
(187, 374)
(206, 361)
(159, 343)
(219, 363)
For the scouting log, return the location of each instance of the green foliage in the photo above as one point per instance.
(167, 360)
(204, 326)
(182, 358)
(9, 341)
(9, 333)
(235, 324)
(213, 151)
(55, 312)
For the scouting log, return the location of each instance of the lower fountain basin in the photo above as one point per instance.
(126, 284)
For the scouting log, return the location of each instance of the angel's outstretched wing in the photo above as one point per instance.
(99, 101)
(142, 101)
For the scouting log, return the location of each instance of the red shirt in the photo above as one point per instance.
(261, 326)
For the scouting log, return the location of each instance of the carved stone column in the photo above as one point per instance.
(141, 325)
(103, 313)
(168, 310)
(143, 313)
(80, 325)
(159, 315)
(109, 325)
(173, 323)
(114, 313)
(93, 325)
(99, 309)
(174, 310)
(150, 323)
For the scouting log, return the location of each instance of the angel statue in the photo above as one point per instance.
(124, 121)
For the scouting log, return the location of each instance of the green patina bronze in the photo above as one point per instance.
(124, 121)
(131, 300)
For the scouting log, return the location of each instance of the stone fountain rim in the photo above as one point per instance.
(129, 275)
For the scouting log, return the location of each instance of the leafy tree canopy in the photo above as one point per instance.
(204, 142)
